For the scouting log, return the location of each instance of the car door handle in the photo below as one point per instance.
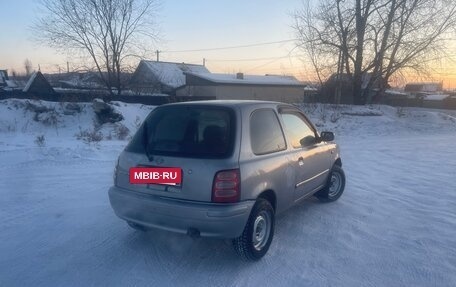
(300, 161)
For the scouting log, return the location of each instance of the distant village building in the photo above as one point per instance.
(311, 93)
(3, 78)
(435, 101)
(244, 87)
(427, 95)
(418, 89)
(339, 88)
(162, 77)
(398, 98)
(37, 84)
(6, 83)
(450, 102)
(76, 80)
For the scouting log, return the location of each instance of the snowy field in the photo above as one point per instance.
(395, 225)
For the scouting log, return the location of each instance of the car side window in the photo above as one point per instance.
(298, 130)
(266, 135)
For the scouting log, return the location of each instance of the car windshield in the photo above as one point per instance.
(186, 131)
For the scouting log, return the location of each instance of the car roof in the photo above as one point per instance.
(231, 103)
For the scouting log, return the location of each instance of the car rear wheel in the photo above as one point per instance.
(334, 187)
(258, 232)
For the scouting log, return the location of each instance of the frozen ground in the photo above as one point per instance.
(394, 226)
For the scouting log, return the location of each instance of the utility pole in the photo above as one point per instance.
(158, 55)
(68, 67)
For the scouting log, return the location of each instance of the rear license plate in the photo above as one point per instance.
(156, 175)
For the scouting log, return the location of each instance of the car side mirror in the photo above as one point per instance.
(327, 136)
(308, 140)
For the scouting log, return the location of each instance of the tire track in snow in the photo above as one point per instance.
(28, 188)
(381, 232)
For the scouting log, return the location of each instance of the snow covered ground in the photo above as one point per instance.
(394, 226)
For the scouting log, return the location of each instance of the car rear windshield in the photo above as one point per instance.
(186, 131)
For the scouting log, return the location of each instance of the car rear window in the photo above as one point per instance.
(186, 131)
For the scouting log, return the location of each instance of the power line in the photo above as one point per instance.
(230, 47)
(250, 60)
(272, 61)
(212, 61)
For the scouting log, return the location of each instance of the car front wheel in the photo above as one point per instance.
(258, 232)
(334, 187)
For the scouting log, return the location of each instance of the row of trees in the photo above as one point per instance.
(349, 37)
(380, 38)
(108, 32)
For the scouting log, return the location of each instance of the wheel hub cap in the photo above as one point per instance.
(335, 185)
(261, 230)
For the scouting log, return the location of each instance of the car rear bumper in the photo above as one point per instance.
(209, 219)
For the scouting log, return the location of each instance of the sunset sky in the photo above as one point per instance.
(195, 25)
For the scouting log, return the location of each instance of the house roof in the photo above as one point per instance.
(172, 74)
(38, 84)
(3, 77)
(274, 80)
(6, 83)
(30, 82)
(76, 80)
(346, 78)
(11, 84)
(395, 92)
(435, 97)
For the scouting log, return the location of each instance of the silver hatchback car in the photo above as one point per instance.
(240, 164)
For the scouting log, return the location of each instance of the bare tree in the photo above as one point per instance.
(28, 67)
(107, 31)
(378, 38)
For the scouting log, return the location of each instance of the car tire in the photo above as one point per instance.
(334, 187)
(257, 236)
(137, 226)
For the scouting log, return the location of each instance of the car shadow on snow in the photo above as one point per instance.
(178, 249)
(176, 258)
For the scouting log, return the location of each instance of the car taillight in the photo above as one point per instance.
(227, 186)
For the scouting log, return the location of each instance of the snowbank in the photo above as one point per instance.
(395, 225)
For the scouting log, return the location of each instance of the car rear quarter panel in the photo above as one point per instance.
(261, 173)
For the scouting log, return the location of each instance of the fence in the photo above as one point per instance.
(89, 96)
(402, 101)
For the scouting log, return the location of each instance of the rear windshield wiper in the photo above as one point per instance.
(146, 141)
